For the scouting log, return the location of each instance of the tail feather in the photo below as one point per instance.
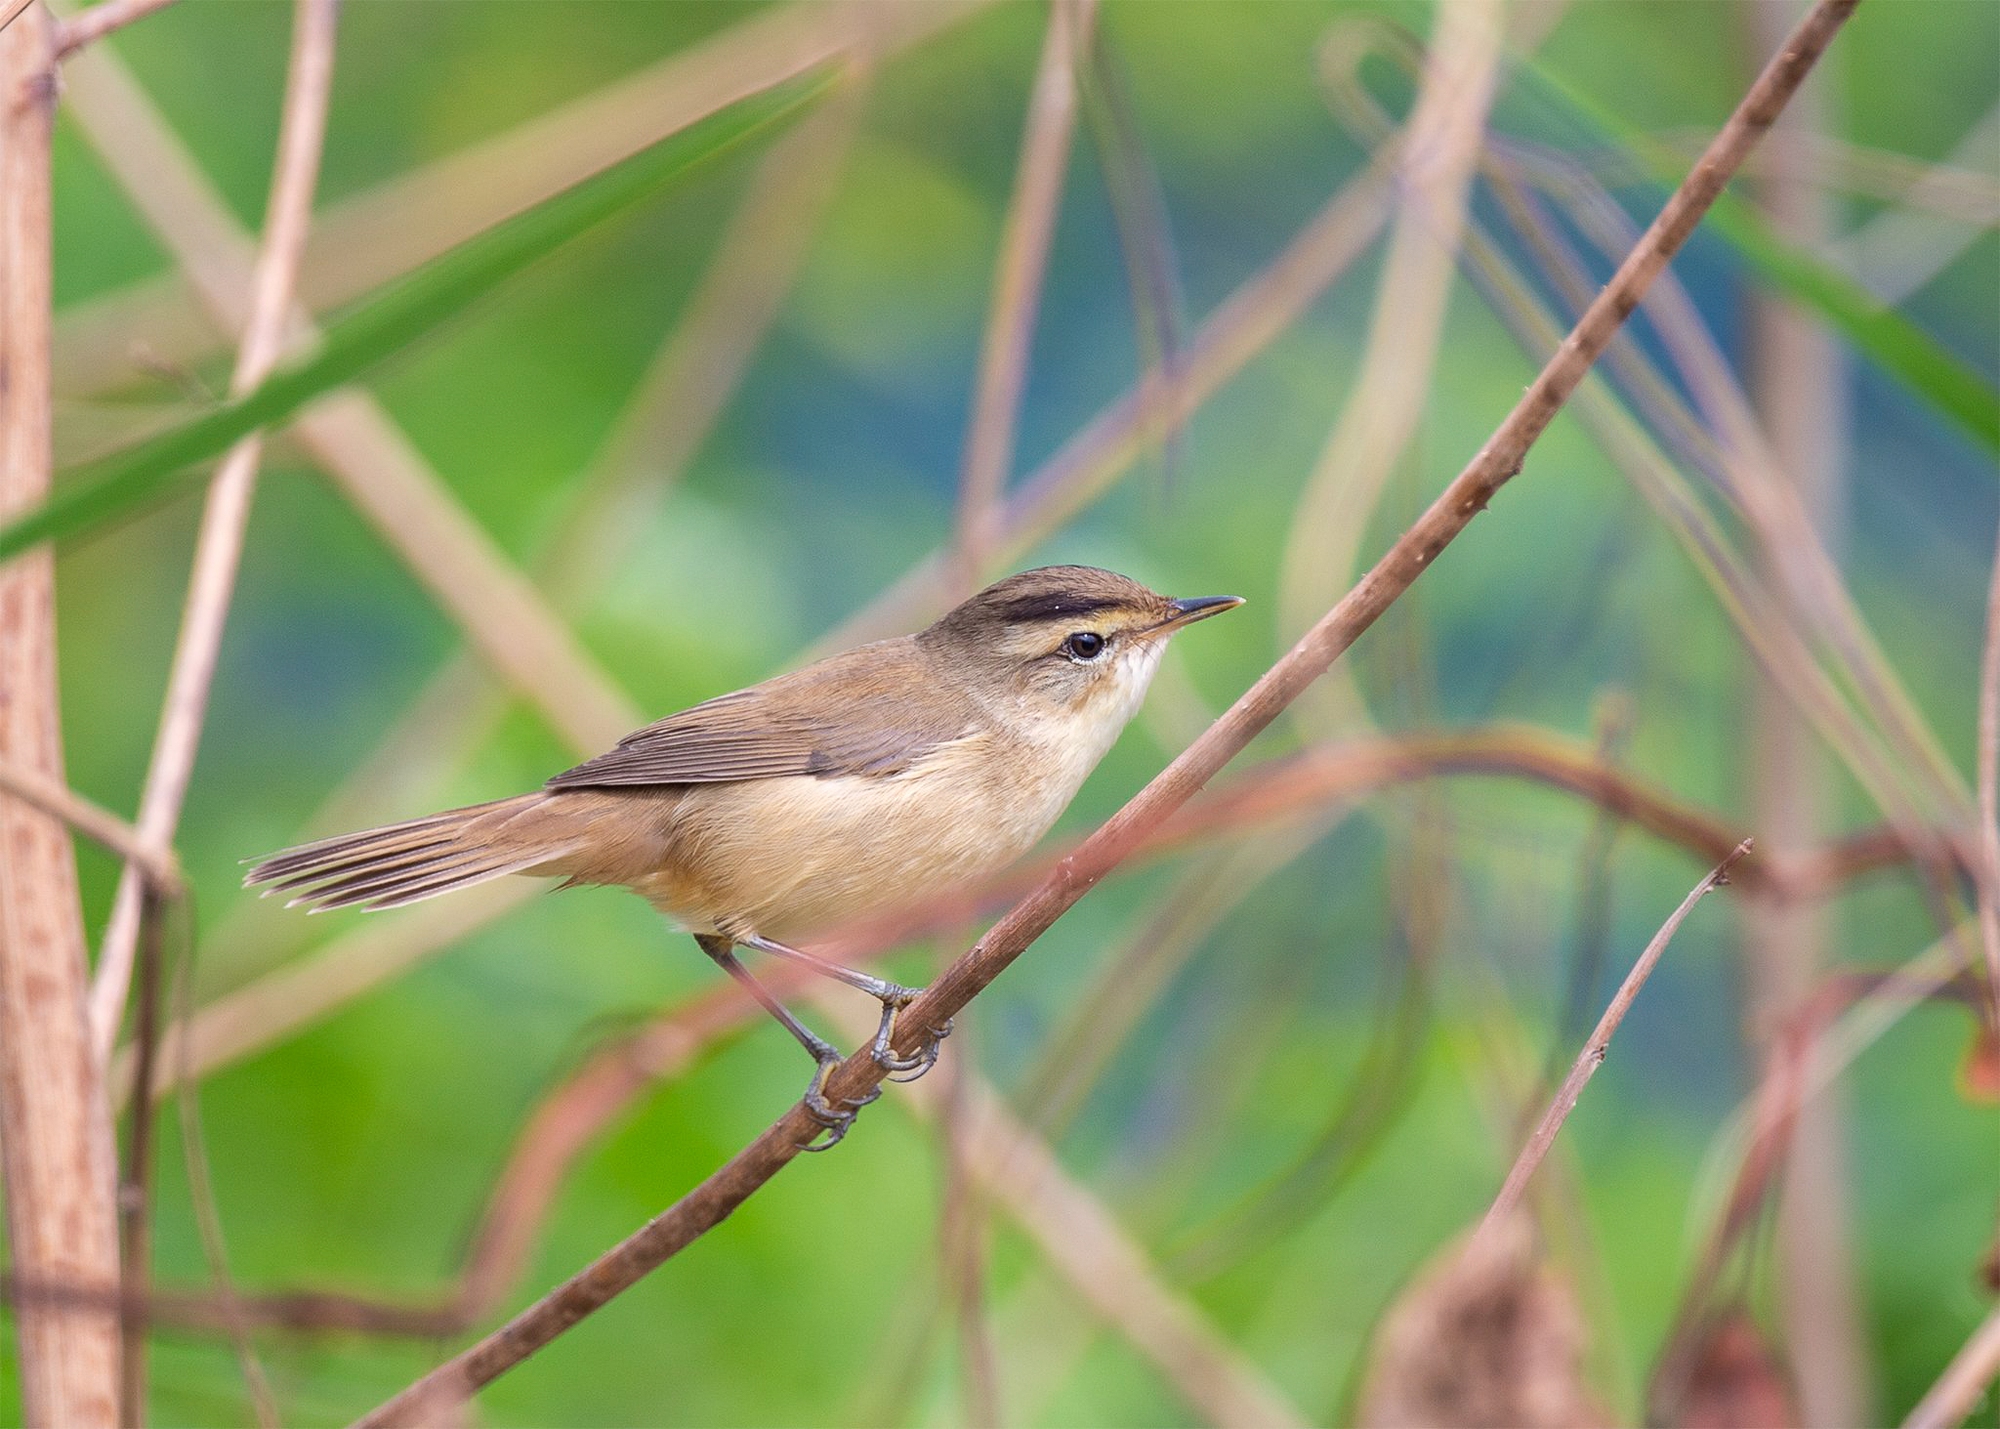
(406, 862)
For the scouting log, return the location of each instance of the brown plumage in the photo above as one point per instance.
(868, 779)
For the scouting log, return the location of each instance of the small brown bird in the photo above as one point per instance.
(871, 778)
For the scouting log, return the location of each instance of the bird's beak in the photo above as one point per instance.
(1200, 607)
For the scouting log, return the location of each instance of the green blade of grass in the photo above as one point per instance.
(1889, 339)
(392, 319)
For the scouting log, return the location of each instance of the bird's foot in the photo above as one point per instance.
(833, 1120)
(884, 1050)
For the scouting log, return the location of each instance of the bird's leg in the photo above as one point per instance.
(893, 996)
(834, 1119)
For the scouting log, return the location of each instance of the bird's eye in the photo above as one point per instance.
(1084, 645)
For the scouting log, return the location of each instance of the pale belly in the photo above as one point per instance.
(791, 858)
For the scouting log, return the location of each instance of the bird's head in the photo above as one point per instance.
(1066, 642)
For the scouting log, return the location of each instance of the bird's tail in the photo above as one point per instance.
(404, 863)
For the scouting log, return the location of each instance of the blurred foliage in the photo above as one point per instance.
(357, 1155)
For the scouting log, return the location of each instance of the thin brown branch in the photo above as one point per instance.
(226, 514)
(93, 821)
(99, 20)
(1957, 1392)
(1412, 554)
(1017, 283)
(1594, 1050)
(56, 1149)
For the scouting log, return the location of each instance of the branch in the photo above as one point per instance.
(1594, 1051)
(1017, 283)
(100, 20)
(56, 1150)
(1468, 494)
(226, 515)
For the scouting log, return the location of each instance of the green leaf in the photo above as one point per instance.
(391, 320)
(1895, 344)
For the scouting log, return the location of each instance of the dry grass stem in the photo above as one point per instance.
(226, 514)
(99, 20)
(1017, 283)
(1594, 1051)
(1958, 1390)
(93, 821)
(1468, 494)
(56, 1150)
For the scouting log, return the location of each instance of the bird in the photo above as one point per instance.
(860, 782)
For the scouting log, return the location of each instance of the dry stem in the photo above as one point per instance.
(93, 821)
(55, 1136)
(1594, 1051)
(1468, 494)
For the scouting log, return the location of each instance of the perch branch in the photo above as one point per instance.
(1468, 494)
(1989, 795)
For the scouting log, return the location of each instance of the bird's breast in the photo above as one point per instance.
(789, 858)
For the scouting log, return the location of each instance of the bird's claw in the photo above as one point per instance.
(884, 1050)
(833, 1120)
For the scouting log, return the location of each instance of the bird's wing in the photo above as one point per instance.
(846, 715)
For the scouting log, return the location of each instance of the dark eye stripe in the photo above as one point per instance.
(1054, 605)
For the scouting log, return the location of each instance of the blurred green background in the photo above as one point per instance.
(357, 1156)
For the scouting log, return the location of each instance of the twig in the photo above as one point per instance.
(1017, 282)
(56, 1146)
(100, 20)
(1957, 1391)
(226, 514)
(93, 821)
(1468, 494)
(1593, 1053)
(1989, 794)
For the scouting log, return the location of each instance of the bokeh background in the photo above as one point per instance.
(1360, 1025)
